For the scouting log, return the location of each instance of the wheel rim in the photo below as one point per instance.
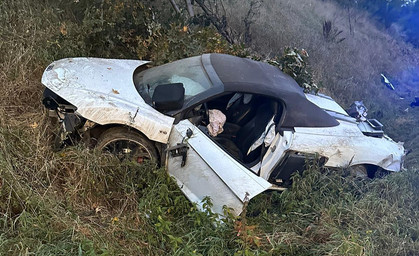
(130, 150)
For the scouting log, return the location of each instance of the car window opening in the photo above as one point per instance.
(247, 119)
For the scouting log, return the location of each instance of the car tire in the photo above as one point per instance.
(380, 173)
(358, 171)
(127, 144)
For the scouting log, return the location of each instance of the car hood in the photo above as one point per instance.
(105, 76)
(103, 91)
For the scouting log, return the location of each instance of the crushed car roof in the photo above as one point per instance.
(246, 75)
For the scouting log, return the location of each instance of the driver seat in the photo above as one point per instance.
(249, 133)
(253, 129)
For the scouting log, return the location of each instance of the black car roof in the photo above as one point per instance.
(245, 75)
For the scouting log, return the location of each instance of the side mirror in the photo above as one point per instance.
(168, 97)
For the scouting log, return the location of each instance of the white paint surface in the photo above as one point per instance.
(103, 91)
(326, 103)
(345, 146)
(209, 171)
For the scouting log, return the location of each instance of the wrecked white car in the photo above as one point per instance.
(224, 127)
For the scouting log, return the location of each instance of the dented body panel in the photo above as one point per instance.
(103, 92)
(211, 172)
(275, 153)
(345, 146)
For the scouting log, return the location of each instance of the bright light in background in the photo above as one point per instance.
(408, 2)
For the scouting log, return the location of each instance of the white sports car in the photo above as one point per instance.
(224, 127)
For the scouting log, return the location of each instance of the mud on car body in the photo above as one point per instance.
(268, 125)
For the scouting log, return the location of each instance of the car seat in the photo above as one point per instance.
(249, 133)
(240, 113)
(253, 129)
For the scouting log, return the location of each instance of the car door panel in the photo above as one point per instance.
(276, 153)
(210, 171)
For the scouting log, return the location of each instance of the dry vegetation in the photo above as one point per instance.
(348, 70)
(79, 202)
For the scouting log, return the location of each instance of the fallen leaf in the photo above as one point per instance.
(63, 29)
(115, 91)
(98, 209)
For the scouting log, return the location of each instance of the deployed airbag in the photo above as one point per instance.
(216, 122)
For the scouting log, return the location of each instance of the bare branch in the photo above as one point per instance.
(175, 6)
(218, 19)
(249, 19)
(189, 7)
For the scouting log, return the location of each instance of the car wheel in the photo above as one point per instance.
(380, 173)
(128, 145)
(358, 171)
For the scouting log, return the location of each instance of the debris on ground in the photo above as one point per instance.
(387, 82)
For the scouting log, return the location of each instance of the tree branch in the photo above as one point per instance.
(218, 20)
(249, 19)
(175, 6)
(189, 7)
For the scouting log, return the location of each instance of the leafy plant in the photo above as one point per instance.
(331, 34)
(294, 63)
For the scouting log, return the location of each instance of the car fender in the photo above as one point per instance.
(345, 146)
(103, 91)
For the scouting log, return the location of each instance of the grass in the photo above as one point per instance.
(327, 213)
(78, 201)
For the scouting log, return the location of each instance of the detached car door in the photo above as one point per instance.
(208, 171)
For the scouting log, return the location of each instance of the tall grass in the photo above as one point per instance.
(78, 201)
(325, 213)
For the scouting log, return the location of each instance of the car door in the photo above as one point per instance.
(208, 171)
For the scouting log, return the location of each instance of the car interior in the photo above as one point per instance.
(247, 117)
